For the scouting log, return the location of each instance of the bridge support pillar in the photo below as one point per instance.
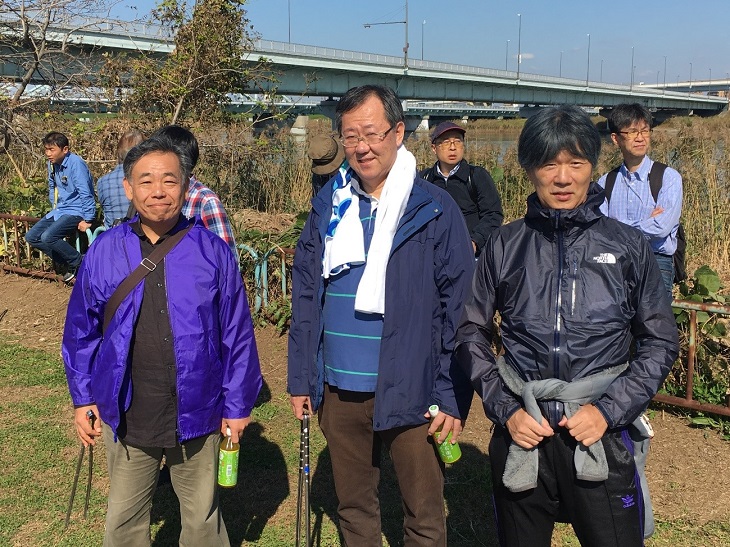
(327, 108)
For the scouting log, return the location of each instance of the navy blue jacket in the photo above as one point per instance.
(428, 275)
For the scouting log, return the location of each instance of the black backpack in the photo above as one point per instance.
(430, 174)
(656, 175)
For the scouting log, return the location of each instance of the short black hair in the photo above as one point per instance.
(623, 115)
(556, 129)
(162, 144)
(184, 138)
(356, 96)
(55, 138)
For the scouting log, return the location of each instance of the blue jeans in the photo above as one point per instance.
(666, 266)
(47, 235)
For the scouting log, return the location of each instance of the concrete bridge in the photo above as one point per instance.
(304, 70)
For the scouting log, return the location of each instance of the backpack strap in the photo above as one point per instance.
(140, 272)
(611, 182)
(656, 176)
(472, 188)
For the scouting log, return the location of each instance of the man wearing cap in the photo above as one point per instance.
(471, 186)
(326, 154)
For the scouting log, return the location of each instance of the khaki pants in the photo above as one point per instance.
(346, 419)
(133, 473)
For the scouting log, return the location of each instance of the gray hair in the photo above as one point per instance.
(162, 144)
(554, 130)
(356, 96)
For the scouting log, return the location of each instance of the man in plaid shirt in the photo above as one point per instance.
(201, 201)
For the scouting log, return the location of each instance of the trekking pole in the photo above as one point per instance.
(303, 484)
(92, 419)
(79, 461)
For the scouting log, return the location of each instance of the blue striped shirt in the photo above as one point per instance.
(351, 338)
(632, 203)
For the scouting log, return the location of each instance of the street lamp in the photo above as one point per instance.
(519, 44)
(423, 25)
(709, 85)
(560, 68)
(506, 55)
(665, 76)
(288, 5)
(588, 61)
(405, 48)
(600, 79)
(690, 77)
(631, 88)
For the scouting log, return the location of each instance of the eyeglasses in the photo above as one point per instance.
(448, 143)
(633, 133)
(351, 141)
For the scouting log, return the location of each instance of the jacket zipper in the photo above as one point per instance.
(555, 406)
(572, 292)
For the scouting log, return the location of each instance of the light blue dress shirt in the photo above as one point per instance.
(632, 203)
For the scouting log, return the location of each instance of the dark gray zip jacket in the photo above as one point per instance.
(572, 288)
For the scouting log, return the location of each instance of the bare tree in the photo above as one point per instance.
(212, 40)
(43, 56)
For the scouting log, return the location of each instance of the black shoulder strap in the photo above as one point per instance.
(610, 182)
(656, 176)
(140, 272)
(472, 187)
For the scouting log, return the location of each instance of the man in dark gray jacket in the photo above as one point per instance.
(573, 289)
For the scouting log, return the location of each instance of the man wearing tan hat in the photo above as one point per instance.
(326, 154)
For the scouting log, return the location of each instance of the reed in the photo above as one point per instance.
(268, 170)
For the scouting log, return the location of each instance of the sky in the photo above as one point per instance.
(552, 34)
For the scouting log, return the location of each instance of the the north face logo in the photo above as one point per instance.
(604, 258)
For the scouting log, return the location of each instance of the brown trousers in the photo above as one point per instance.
(346, 418)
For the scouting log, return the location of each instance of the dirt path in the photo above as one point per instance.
(688, 469)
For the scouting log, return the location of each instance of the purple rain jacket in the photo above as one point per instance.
(218, 372)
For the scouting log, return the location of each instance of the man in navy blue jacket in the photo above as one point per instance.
(380, 273)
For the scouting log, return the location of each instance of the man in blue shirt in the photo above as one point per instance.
(631, 200)
(71, 192)
(109, 188)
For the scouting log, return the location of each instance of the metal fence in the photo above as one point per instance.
(18, 257)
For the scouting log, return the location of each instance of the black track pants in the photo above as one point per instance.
(603, 514)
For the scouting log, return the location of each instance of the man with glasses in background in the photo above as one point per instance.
(380, 273)
(471, 186)
(631, 196)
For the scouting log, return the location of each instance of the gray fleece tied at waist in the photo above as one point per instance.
(520, 472)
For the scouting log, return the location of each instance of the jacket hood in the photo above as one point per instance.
(562, 219)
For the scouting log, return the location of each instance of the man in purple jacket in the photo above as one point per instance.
(177, 364)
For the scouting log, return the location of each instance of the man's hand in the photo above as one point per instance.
(299, 403)
(83, 226)
(656, 211)
(237, 426)
(475, 247)
(525, 431)
(83, 424)
(587, 426)
(445, 423)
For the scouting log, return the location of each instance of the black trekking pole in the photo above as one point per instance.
(79, 461)
(303, 485)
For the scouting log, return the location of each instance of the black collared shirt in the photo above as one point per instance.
(151, 420)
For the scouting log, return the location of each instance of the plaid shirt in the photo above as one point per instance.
(113, 200)
(204, 203)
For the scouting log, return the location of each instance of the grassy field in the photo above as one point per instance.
(38, 453)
